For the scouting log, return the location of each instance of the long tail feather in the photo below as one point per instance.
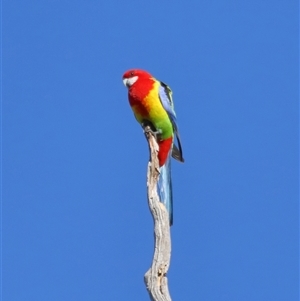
(164, 187)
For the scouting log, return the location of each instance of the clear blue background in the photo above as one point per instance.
(76, 224)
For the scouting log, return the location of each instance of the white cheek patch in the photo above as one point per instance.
(130, 81)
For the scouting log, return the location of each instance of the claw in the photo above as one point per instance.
(149, 128)
(155, 133)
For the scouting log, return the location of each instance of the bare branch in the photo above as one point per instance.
(156, 277)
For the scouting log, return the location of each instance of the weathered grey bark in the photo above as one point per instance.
(156, 277)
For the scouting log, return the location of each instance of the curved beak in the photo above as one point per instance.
(125, 82)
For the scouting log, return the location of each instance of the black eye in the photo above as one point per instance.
(131, 73)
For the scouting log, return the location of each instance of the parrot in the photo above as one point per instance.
(152, 105)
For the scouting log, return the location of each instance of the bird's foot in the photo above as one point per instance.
(149, 128)
(155, 133)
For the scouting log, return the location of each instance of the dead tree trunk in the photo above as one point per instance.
(156, 277)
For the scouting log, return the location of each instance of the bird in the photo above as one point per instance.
(152, 104)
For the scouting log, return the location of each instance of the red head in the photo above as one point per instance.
(130, 77)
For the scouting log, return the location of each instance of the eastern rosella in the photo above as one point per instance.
(152, 104)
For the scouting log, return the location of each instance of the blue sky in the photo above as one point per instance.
(75, 224)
